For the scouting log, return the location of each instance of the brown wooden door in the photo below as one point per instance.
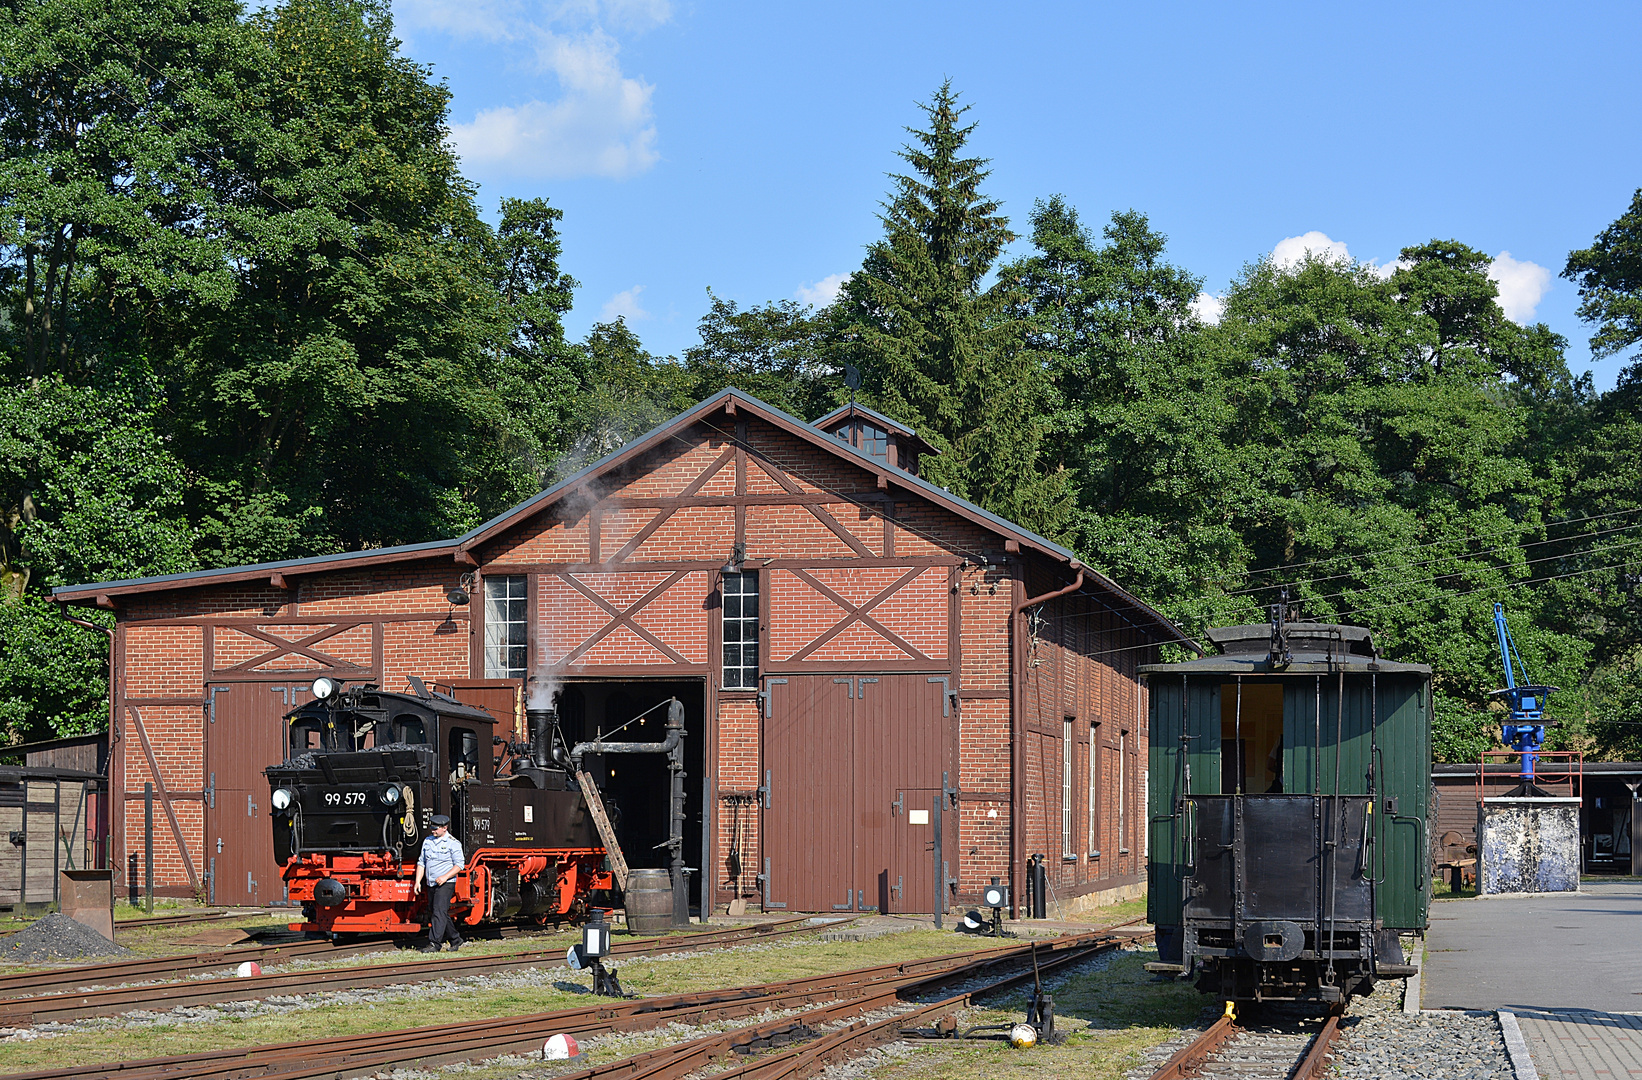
(245, 733)
(901, 749)
(808, 829)
(852, 762)
(914, 850)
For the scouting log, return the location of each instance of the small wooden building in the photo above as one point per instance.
(53, 817)
(864, 659)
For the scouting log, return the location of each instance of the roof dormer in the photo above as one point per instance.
(876, 435)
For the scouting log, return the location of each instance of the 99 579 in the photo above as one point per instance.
(344, 798)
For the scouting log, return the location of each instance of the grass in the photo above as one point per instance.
(1106, 1021)
(1110, 915)
(1118, 1029)
(557, 990)
(1441, 890)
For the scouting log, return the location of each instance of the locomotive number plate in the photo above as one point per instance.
(344, 798)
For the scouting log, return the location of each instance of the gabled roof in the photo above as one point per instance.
(843, 412)
(726, 400)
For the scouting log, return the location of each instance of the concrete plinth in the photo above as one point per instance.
(1528, 845)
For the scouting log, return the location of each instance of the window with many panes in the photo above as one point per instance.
(507, 642)
(1093, 804)
(740, 631)
(1068, 749)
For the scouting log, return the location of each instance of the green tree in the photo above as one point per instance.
(779, 352)
(1141, 417)
(940, 349)
(88, 491)
(112, 117)
(351, 373)
(1609, 275)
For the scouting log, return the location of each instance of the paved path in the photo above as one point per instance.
(1569, 966)
(1569, 1043)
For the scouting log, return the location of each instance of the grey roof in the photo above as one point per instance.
(630, 449)
(855, 406)
(1304, 664)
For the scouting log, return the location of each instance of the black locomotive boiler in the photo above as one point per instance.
(366, 771)
(1288, 797)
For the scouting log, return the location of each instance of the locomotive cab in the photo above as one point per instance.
(365, 772)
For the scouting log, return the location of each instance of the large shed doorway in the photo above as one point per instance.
(855, 766)
(245, 733)
(637, 785)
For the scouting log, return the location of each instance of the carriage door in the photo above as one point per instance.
(244, 734)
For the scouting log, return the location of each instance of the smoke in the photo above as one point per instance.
(543, 689)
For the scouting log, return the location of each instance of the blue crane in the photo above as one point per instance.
(1525, 733)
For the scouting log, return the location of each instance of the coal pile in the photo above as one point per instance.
(56, 937)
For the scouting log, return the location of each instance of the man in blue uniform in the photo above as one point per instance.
(441, 858)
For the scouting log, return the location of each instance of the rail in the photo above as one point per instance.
(111, 1001)
(846, 994)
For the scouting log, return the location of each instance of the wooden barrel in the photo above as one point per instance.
(649, 901)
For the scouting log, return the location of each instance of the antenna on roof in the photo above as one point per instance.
(852, 379)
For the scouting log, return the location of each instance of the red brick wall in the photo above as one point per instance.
(1081, 664)
(1073, 672)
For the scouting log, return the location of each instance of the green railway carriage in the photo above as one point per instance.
(1288, 798)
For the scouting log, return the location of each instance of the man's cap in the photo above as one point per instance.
(440, 819)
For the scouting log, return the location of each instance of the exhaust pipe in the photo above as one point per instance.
(540, 723)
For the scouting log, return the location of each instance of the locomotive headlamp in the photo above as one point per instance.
(324, 689)
(389, 795)
(282, 798)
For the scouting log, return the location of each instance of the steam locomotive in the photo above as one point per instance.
(1288, 800)
(366, 771)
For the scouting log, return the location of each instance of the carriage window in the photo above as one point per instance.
(409, 729)
(507, 639)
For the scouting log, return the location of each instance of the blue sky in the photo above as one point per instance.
(744, 147)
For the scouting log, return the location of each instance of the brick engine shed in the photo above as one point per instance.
(862, 656)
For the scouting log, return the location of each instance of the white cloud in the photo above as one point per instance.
(1522, 285)
(624, 305)
(599, 122)
(1208, 308)
(1385, 271)
(1292, 250)
(823, 292)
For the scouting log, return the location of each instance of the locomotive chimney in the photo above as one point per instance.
(540, 722)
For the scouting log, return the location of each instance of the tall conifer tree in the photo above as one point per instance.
(937, 348)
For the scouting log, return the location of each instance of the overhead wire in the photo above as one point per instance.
(1438, 559)
(1434, 543)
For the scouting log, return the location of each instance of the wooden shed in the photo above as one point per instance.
(864, 660)
(53, 817)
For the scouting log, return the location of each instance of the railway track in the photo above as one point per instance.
(834, 999)
(191, 917)
(1228, 1052)
(103, 1000)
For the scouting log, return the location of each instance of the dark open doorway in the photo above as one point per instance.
(637, 784)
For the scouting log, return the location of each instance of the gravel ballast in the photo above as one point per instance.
(57, 937)
(1384, 1041)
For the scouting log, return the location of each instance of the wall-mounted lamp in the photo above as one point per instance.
(459, 596)
(738, 557)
